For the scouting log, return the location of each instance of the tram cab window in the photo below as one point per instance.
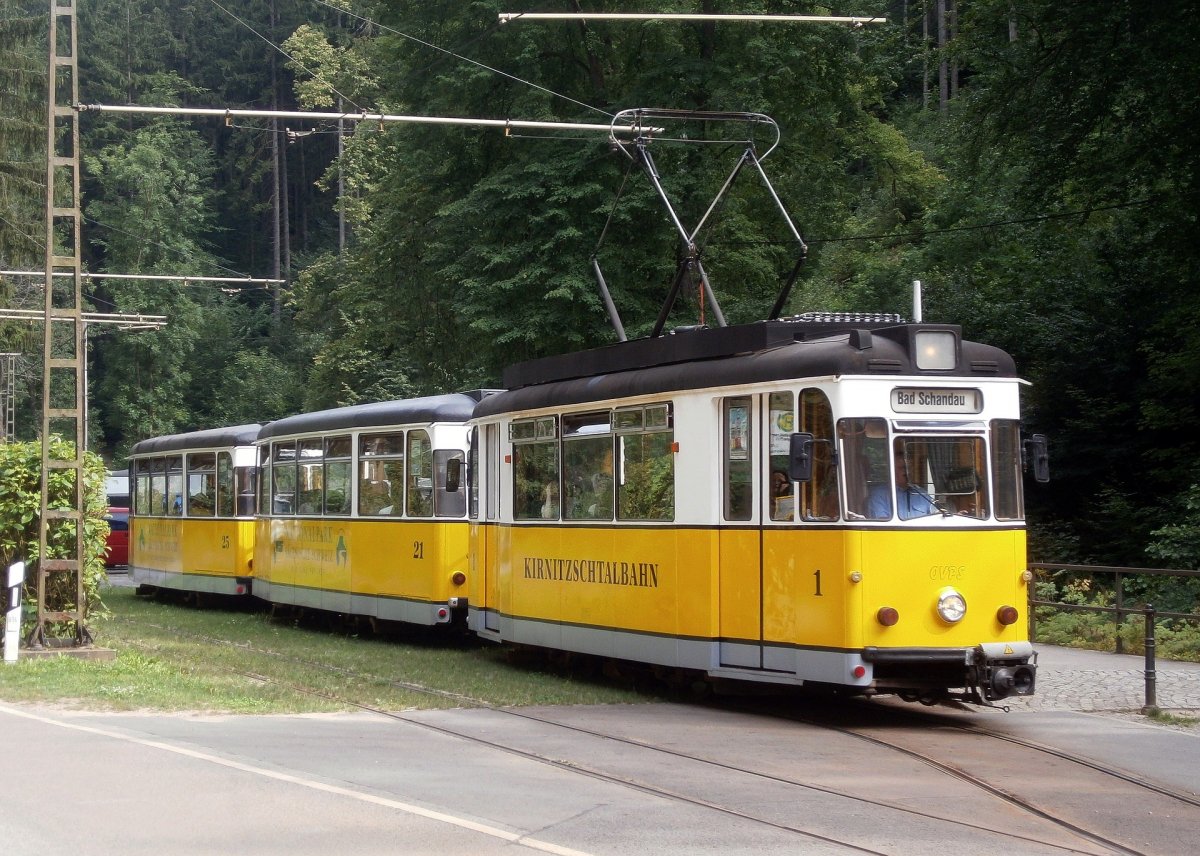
(866, 468)
(419, 486)
(338, 475)
(174, 497)
(1006, 469)
(535, 468)
(264, 481)
(587, 466)
(245, 484)
(225, 494)
(448, 503)
(310, 476)
(141, 487)
(381, 474)
(945, 475)
(781, 424)
(645, 463)
(283, 477)
(201, 484)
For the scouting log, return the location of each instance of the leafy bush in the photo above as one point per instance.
(20, 500)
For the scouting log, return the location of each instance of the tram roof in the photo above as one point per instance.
(451, 407)
(696, 358)
(238, 435)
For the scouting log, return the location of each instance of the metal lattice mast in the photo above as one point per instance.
(63, 351)
(8, 389)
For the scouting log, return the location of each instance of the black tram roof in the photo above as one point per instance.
(695, 358)
(213, 438)
(451, 407)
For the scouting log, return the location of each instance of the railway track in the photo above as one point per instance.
(1046, 829)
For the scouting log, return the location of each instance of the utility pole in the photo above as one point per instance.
(63, 356)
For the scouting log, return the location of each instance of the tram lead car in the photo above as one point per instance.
(829, 501)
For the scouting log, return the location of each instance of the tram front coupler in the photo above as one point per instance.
(1004, 669)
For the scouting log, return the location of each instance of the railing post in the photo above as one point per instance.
(1120, 646)
(1151, 676)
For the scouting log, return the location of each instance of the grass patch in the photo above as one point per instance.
(174, 658)
(1162, 716)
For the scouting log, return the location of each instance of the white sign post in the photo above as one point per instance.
(12, 618)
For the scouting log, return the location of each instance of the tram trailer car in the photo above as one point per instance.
(191, 522)
(834, 502)
(363, 510)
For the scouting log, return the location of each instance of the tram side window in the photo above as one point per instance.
(737, 451)
(225, 495)
(645, 463)
(819, 495)
(338, 472)
(283, 478)
(141, 487)
(864, 455)
(201, 484)
(158, 486)
(587, 467)
(264, 481)
(448, 503)
(174, 496)
(419, 486)
(381, 474)
(535, 468)
(310, 476)
(1006, 469)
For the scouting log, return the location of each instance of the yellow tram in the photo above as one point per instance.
(829, 501)
(363, 510)
(191, 523)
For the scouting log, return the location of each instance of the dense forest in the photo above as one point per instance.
(1032, 163)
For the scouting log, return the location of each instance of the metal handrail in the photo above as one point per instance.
(1119, 610)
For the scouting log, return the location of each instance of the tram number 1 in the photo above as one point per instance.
(817, 575)
(418, 549)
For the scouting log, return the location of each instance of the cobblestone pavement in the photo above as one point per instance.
(1095, 681)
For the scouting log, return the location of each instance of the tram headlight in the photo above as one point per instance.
(951, 606)
(935, 349)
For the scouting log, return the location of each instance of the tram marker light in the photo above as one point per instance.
(888, 616)
(859, 671)
(1007, 615)
(459, 578)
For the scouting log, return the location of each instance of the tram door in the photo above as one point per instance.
(740, 536)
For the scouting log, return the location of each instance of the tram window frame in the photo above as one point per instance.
(644, 439)
(779, 507)
(175, 486)
(448, 503)
(737, 457)
(245, 488)
(820, 496)
(1008, 498)
(587, 489)
(283, 470)
(418, 468)
(380, 478)
(535, 467)
(338, 475)
(201, 484)
(158, 487)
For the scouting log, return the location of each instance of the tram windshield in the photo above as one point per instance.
(913, 476)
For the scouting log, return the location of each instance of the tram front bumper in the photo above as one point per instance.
(999, 669)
